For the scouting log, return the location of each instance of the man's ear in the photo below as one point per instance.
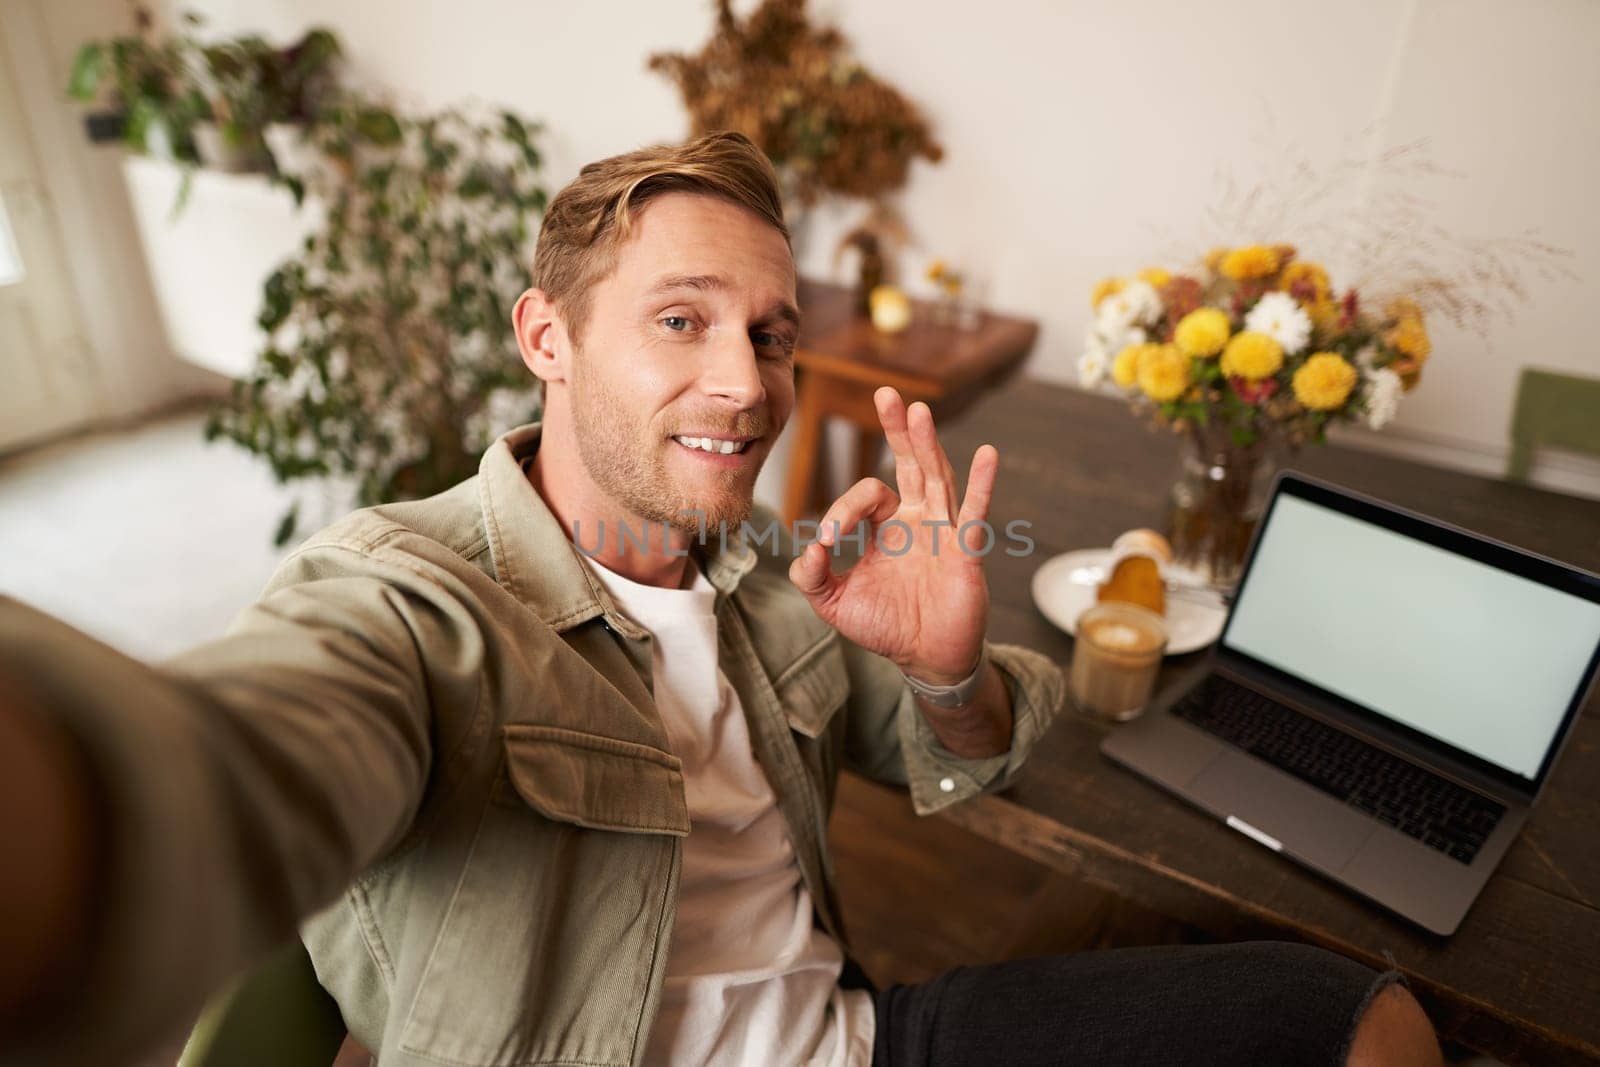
(541, 336)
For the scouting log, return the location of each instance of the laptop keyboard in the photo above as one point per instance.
(1415, 801)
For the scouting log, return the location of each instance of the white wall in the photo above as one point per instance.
(1083, 138)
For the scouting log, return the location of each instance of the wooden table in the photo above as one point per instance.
(1520, 979)
(841, 360)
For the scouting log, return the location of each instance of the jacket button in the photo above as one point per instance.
(948, 785)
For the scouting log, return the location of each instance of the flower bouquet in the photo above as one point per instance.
(1246, 355)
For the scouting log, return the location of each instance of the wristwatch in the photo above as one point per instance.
(951, 696)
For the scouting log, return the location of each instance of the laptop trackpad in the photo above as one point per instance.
(1308, 822)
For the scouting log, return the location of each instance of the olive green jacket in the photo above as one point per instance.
(432, 740)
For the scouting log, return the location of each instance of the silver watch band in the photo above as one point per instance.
(951, 696)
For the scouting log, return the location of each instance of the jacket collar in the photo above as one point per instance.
(537, 563)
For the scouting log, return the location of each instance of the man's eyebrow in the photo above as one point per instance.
(702, 282)
(715, 283)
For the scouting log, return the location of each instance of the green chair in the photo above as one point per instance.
(1553, 411)
(276, 1016)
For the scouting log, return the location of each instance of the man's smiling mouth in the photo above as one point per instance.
(726, 446)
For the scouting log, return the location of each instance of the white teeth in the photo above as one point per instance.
(708, 444)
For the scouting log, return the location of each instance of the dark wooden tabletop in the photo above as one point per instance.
(1520, 979)
(926, 360)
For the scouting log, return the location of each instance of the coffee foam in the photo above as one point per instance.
(1120, 636)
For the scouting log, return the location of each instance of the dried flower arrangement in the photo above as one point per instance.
(827, 124)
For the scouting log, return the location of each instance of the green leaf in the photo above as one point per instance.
(185, 187)
(1243, 436)
(277, 298)
(478, 182)
(88, 67)
(286, 525)
(142, 114)
(378, 126)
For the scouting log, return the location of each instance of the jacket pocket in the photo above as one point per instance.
(549, 948)
(813, 688)
(597, 782)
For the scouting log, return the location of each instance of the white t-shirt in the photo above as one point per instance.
(750, 978)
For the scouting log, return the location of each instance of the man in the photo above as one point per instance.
(542, 765)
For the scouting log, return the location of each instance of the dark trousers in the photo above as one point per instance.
(1261, 1002)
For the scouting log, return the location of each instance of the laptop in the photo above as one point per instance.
(1385, 701)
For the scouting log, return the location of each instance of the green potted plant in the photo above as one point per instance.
(262, 97)
(390, 360)
(206, 103)
(150, 86)
(301, 79)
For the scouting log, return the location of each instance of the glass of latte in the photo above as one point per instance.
(1116, 658)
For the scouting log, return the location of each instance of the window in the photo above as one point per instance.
(10, 259)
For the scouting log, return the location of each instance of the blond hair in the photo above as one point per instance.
(591, 217)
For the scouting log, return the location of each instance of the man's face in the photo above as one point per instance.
(690, 337)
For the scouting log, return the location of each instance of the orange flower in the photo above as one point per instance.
(1410, 338)
(1180, 296)
(1306, 282)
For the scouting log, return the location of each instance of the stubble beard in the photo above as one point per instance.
(631, 468)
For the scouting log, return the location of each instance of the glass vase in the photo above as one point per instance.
(1217, 501)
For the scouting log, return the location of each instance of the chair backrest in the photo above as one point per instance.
(1553, 410)
(275, 1016)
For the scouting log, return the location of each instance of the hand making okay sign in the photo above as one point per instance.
(918, 595)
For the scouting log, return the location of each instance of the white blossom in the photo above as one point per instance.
(1092, 367)
(1280, 317)
(1136, 304)
(1383, 396)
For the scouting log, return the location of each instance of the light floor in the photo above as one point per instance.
(149, 539)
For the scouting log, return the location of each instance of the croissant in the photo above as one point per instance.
(1136, 580)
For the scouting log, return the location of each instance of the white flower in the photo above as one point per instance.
(1135, 304)
(1092, 368)
(1280, 317)
(1113, 341)
(1383, 397)
(1366, 358)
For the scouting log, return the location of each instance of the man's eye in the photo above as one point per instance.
(765, 339)
(675, 323)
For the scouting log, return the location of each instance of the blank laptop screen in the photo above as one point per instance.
(1474, 656)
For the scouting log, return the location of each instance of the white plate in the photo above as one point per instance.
(1192, 623)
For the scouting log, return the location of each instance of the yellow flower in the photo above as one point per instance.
(1125, 368)
(1324, 381)
(1252, 356)
(1306, 282)
(1103, 288)
(1251, 261)
(1155, 276)
(936, 270)
(1410, 337)
(1202, 332)
(1163, 372)
(1213, 259)
(1324, 315)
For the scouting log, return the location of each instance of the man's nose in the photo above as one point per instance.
(733, 373)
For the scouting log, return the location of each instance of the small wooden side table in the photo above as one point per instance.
(841, 359)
